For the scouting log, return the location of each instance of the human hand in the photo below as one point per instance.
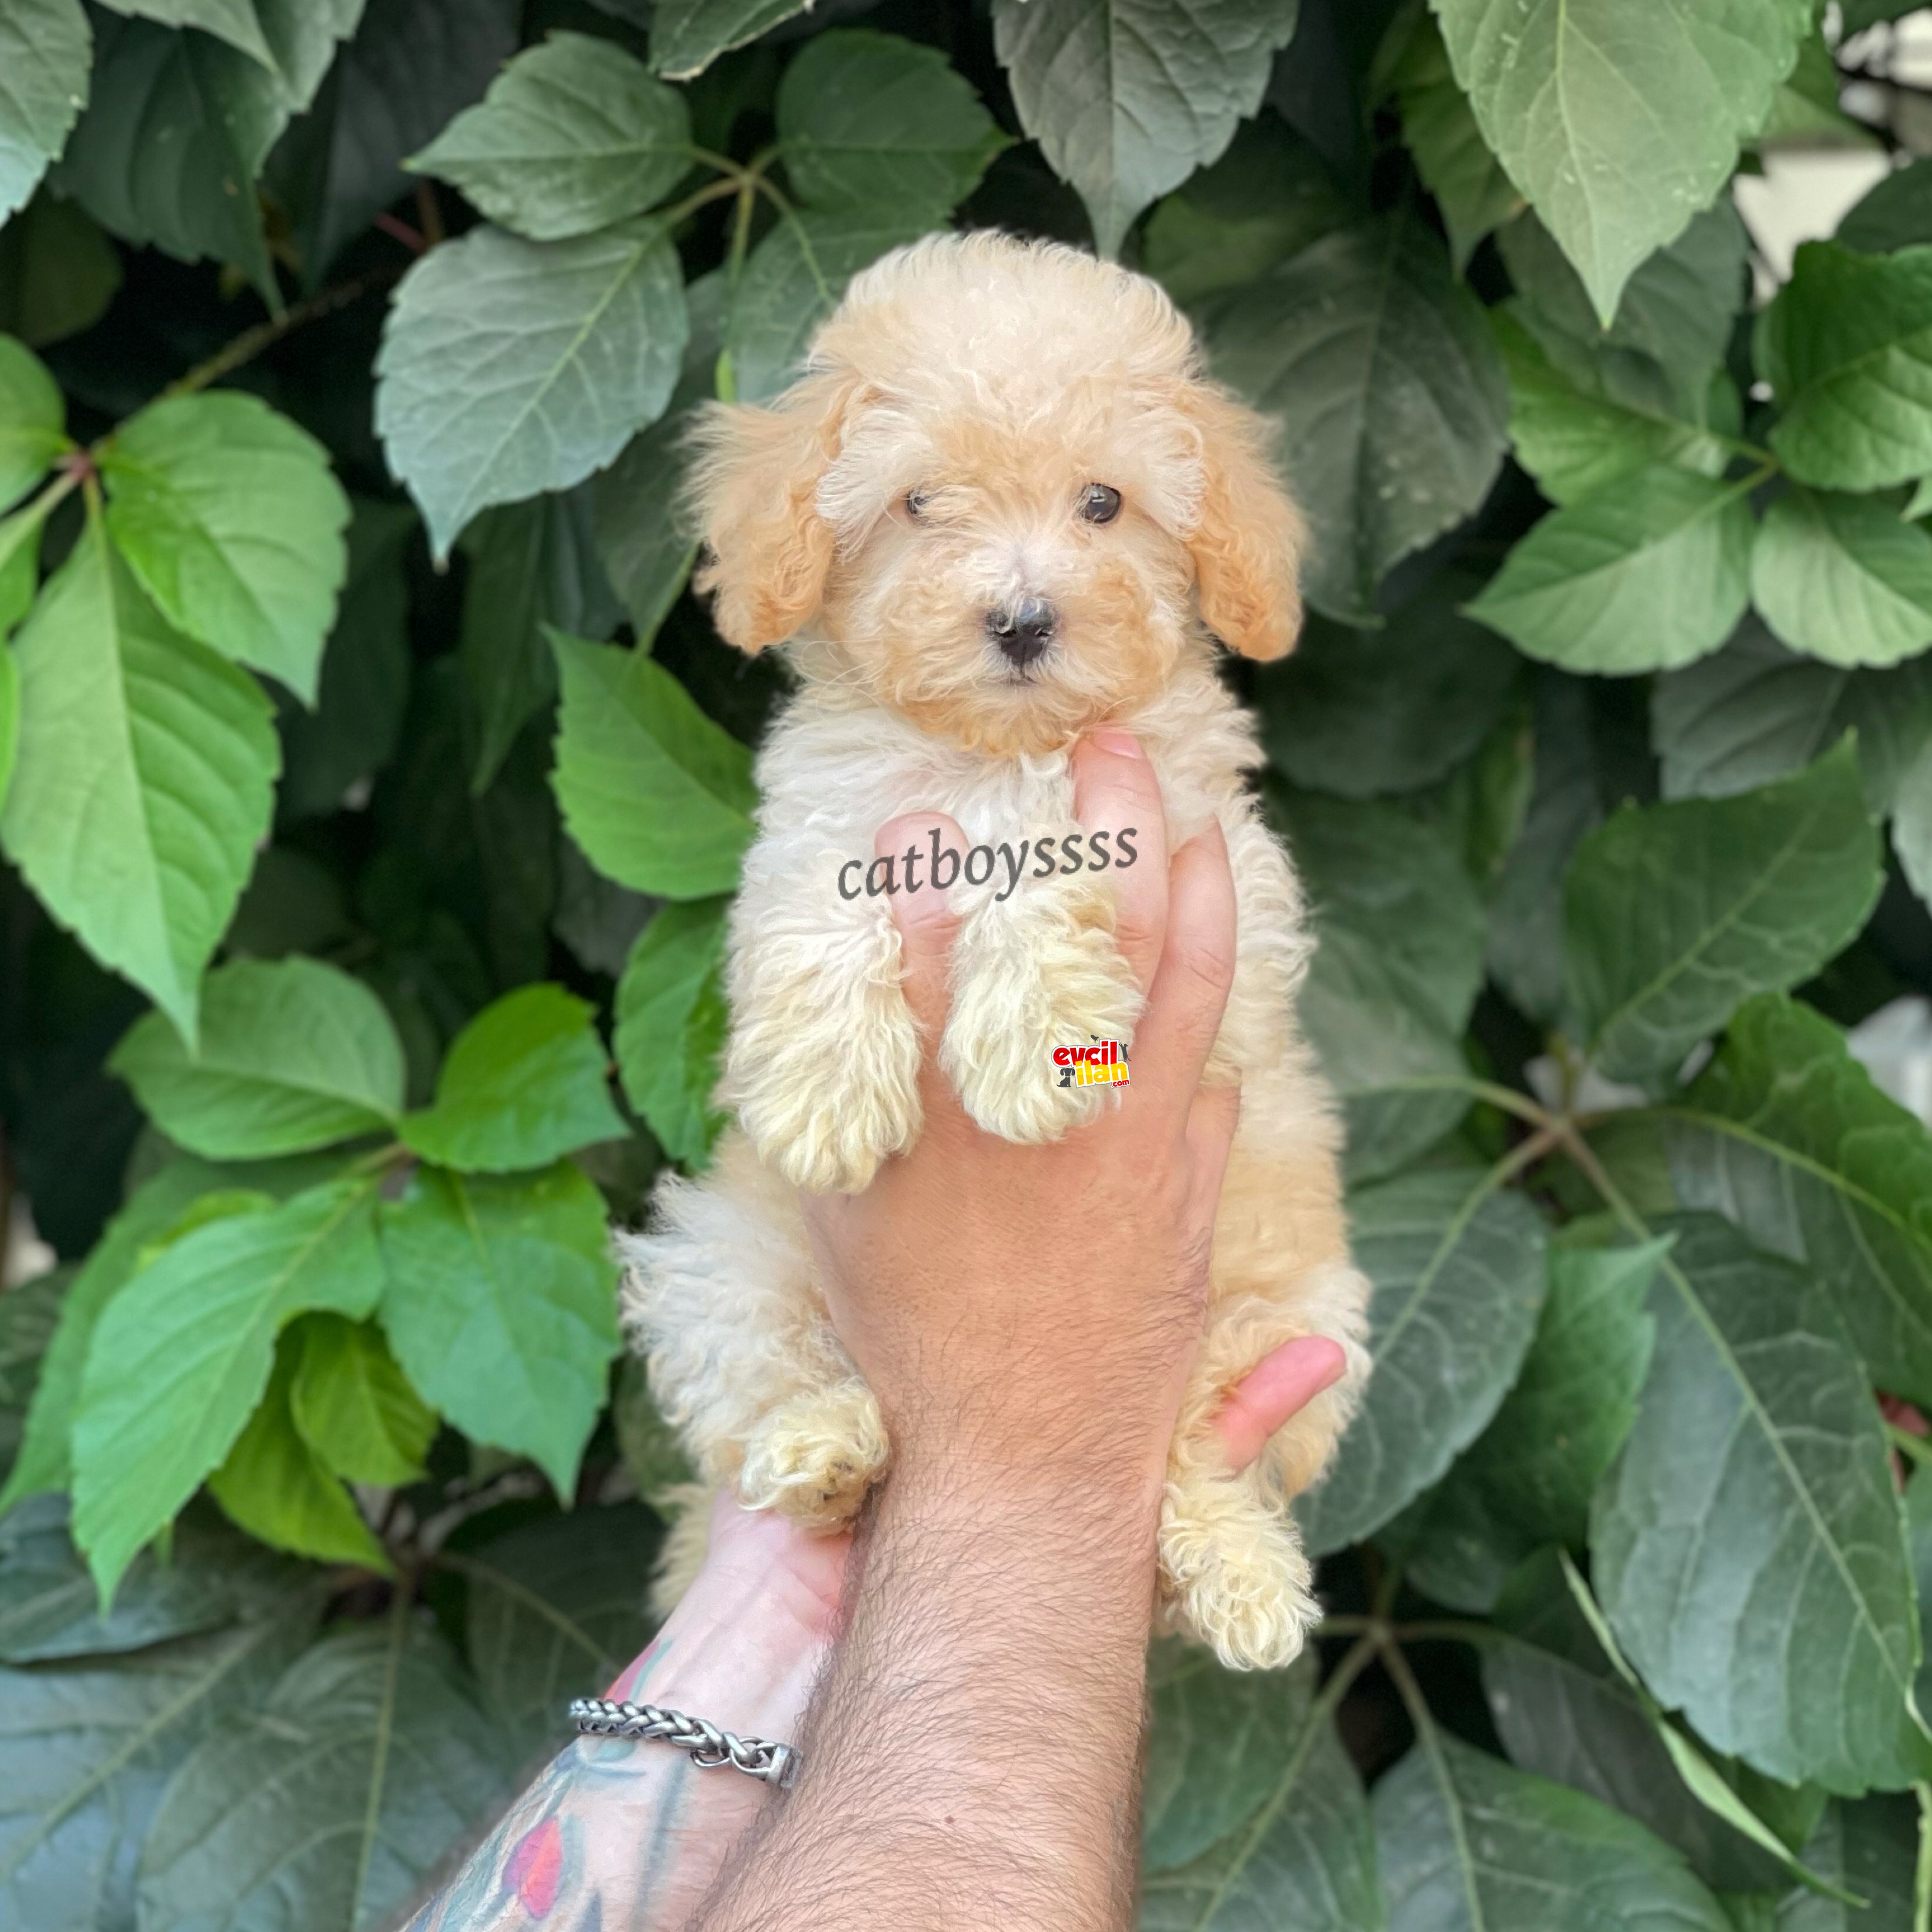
(1014, 1307)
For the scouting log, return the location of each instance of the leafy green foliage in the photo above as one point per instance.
(373, 791)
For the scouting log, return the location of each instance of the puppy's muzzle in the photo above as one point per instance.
(1023, 631)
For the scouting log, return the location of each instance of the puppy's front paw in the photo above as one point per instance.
(814, 1459)
(1063, 985)
(1233, 1573)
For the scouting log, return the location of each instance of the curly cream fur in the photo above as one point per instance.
(996, 380)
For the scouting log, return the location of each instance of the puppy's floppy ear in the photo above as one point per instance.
(1247, 540)
(754, 477)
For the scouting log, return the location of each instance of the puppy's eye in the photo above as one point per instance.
(1099, 504)
(915, 504)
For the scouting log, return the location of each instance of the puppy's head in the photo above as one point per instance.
(1001, 499)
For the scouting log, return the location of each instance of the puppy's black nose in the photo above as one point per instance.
(1024, 631)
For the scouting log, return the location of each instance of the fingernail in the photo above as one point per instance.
(1122, 744)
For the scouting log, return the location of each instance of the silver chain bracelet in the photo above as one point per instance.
(604, 1717)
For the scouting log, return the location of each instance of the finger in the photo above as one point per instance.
(924, 915)
(1275, 1391)
(1197, 968)
(1115, 790)
(1213, 1115)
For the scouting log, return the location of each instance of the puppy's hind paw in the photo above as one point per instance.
(1235, 1577)
(814, 1459)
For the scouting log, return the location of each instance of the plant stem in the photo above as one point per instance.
(1916, 1447)
(251, 342)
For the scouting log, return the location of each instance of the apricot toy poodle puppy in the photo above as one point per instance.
(1001, 505)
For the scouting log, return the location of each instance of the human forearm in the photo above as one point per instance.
(972, 1755)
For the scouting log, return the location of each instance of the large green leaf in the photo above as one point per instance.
(509, 367)
(330, 1806)
(275, 1484)
(688, 35)
(1843, 578)
(574, 135)
(9, 718)
(1397, 970)
(353, 1404)
(29, 1316)
(867, 119)
(1651, 571)
(1755, 712)
(1619, 124)
(1128, 97)
(32, 420)
(293, 40)
(659, 798)
(1847, 346)
(1254, 1814)
(1361, 713)
(554, 1612)
(180, 1356)
(522, 1085)
(1386, 386)
(294, 1054)
(1457, 1260)
(1785, 1133)
(20, 578)
(1750, 1529)
(531, 564)
(44, 51)
(1896, 214)
(57, 272)
(233, 21)
(1468, 1843)
(1870, 1849)
(501, 1305)
(793, 281)
(1674, 914)
(671, 1021)
(86, 1752)
(145, 778)
(228, 514)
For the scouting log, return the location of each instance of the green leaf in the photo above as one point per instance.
(294, 1054)
(1897, 214)
(19, 569)
(1754, 712)
(1266, 199)
(1527, 1479)
(501, 1307)
(522, 1085)
(1871, 1849)
(145, 778)
(180, 1356)
(228, 514)
(1128, 97)
(1572, 432)
(510, 367)
(1751, 1528)
(651, 1448)
(57, 272)
(1843, 578)
(671, 1023)
(1468, 1843)
(1650, 571)
(358, 717)
(1362, 713)
(1391, 399)
(1395, 973)
(688, 35)
(531, 564)
(332, 1805)
(9, 718)
(45, 49)
(1300, 1853)
(867, 119)
(354, 1405)
(1564, 1711)
(573, 136)
(1785, 1133)
(792, 281)
(554, 1612)
(277, 1487)
(32, 416)
(1457, 1265)
(1847, 346)
(659, 797)
(87, 1751)
(29, 1314)
(1674, 914)
(1618, 130)
(1475, 195)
